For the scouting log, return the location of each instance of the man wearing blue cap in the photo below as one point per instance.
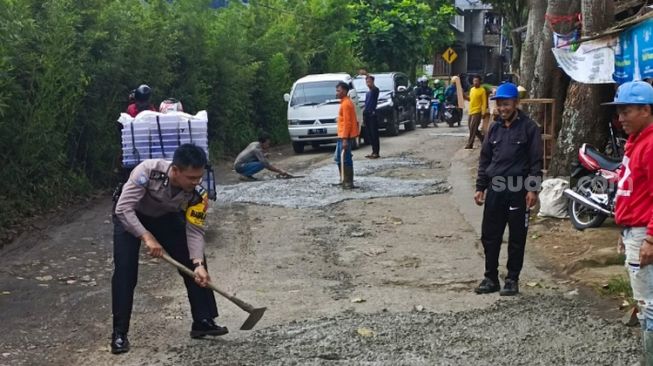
(509, 177)
(634, 206)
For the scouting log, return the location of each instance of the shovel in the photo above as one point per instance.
(342, 166)
(255, 314)
(342, 169)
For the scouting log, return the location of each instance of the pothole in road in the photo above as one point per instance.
(316, 188)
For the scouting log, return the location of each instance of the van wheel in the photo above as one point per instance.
(412, 122)
(298, 147)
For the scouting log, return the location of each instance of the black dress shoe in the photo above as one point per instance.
(487, 286)
(119, 343)
(207, 327)
(510, 288)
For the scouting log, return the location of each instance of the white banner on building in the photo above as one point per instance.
(593, 63)
(428, 69)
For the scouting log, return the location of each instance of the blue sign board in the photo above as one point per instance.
(634, 54)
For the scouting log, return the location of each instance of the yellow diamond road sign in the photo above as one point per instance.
(450, 55)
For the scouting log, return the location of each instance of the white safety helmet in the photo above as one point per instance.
(171, 105)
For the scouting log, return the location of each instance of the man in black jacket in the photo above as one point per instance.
(369, 117)
(510, 170)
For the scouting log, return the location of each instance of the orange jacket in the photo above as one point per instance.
(347, 122)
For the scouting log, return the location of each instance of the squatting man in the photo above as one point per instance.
(254, 159)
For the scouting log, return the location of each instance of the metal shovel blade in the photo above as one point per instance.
(254, 316)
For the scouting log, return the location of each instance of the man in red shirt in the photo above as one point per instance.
(634, 202)
(141, 101)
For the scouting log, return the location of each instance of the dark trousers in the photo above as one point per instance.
(474, 123)
(170, 231)
(504, 207)
(372, 128)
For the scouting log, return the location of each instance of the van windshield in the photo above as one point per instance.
(383, 82)
(313, 93)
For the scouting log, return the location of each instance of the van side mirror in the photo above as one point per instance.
(401, 89)
(286, 97)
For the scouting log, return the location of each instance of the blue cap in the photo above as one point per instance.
(633, 92)
(506, 91)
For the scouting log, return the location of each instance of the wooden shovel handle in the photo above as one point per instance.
(241, 304)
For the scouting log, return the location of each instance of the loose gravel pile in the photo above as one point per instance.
(528, 330)
(316, 189)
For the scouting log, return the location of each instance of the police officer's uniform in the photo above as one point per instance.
(510, 165)
(176, 219)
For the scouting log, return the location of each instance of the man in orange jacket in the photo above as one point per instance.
(347, 133)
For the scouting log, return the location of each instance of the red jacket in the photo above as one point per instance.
(132, 109)
(634, 207)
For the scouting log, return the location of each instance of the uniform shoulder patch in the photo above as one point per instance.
(197, 208)
(142, 179)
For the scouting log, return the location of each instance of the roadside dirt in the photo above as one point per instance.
(383, 275)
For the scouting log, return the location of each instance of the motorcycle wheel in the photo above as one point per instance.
(393, 124)
(583, 217)
(424, 122)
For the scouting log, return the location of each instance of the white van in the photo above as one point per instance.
(313, 109)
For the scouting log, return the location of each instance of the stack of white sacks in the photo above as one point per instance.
(154, 135)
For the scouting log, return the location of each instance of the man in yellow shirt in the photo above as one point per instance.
(347, 133)
(477, 109)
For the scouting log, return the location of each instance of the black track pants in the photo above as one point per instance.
(501, 208)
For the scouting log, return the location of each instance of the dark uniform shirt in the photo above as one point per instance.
(371, 100)
(514, 151)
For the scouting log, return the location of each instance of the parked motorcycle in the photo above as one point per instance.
(423, 110)
(452, 114)
(592, 199)
(617, 142)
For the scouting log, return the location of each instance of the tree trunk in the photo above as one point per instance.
(581, 119)
(541, 84)
(537, 9)
(548, 81)
(515, 38)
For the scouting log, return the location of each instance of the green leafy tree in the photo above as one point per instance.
(400, 34)
(67, 67)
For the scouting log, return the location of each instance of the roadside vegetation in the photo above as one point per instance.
(67, 66)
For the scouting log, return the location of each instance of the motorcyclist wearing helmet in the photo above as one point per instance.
(423, 88)
(438, 90)
(141, 101)
(438, 98)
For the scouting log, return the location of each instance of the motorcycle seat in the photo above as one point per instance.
(604, 162)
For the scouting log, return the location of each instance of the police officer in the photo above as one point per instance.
(509, 177)
(163, 205)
